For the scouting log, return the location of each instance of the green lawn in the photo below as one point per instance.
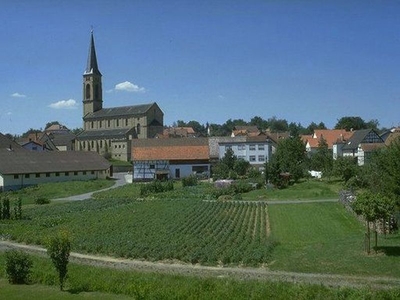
(88, 282)
(45, 292)
(60, 189)
(325, 238)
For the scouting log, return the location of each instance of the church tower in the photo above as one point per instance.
(92, 89)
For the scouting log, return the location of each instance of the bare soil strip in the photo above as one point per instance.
(238, 273)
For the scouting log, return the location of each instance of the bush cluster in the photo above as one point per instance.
(156, 187)
(234, 190)
(41, 200)
(18, 265)
(189, 181)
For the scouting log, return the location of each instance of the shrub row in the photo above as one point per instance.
(156, 187)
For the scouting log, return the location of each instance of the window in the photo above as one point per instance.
(252, 158)
(117, 122)
(152, 166)
(26, 175)
(75, 173)
(228, 147)
(241, 157)
(84, 172)
(37, 175)
(241, 147)
(47, 174)
(66, 173)
(101, 144)
(261, 158)
(96, 91)
(16, 176)
(92, 124)
(252, 147)
(126, 122)
(138, 129)
(57, 174)
(87, 91)
(261, 147)
(108, 123)
(100, 122)
(92, 172)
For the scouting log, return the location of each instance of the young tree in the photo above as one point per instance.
(58, 248)
(345, 167)
(373, 207)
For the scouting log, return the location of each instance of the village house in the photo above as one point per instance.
(171, 158)
(257, 150)
(330, 136)
(360, 145)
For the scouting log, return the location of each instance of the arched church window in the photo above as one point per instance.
(138, 129)
(96, 91)
(87, 92)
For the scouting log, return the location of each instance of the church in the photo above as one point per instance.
(111, 131)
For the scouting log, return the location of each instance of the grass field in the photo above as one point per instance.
(325, 238)
(60, 190)
(179, 225)
(87, 282)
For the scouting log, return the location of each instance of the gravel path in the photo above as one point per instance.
(220, 272)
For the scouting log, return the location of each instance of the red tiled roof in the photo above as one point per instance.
(171, 149)
(331, 136)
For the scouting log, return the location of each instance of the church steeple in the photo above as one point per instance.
(92, 86)
(92, 67)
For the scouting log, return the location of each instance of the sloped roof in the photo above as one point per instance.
(358, 137)
(28, 162)
(368, 147)
(393, 136)
(121, 111)
(331, 136)
(170, 149)
(103, 133)
(177, 132)
(6, 143)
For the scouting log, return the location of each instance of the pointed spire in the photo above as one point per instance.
(91, 67)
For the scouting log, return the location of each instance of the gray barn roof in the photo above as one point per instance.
(28, 162)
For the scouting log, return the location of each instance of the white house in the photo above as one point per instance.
(257, 150)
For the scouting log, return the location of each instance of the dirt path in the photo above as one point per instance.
(220, 272)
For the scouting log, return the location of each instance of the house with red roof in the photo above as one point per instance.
(170, 158)
(331, 137)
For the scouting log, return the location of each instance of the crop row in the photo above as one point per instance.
(191, 231)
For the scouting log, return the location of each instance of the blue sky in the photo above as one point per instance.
(208, 61)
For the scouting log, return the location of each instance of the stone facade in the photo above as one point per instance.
(110, 131)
